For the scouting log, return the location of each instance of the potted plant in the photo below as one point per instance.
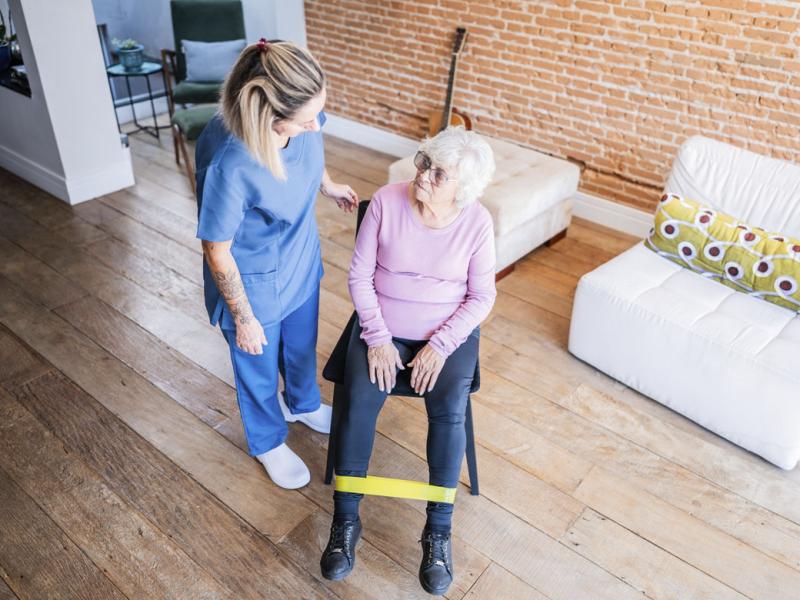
(5, 48)
(131, 54)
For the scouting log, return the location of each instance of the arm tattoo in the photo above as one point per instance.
(229, 284)
(231, 287)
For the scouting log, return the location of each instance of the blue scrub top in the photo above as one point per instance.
(272, 223)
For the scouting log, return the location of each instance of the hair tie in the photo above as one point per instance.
(262, 44)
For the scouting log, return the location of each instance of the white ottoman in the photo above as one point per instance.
(530, 197)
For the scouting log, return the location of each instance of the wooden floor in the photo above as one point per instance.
(123, 471)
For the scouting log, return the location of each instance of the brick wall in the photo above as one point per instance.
(617, 85)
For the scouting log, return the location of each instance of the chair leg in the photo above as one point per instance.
(472, 462)
(186, 161)
(175, 146)
(338, 390)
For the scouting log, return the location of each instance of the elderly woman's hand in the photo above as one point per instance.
(427, 365)
(383, 364)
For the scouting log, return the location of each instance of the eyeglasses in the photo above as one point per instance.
(436, 175)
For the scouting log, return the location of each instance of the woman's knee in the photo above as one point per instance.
(447, 403)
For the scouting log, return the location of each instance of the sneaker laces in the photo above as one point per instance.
(437, 547)
(341, 535)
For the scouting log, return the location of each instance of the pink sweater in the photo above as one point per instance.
(411, 281)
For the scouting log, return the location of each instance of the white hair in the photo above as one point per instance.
(469, 154)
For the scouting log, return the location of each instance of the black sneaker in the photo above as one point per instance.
(339, 557)
(436, 568)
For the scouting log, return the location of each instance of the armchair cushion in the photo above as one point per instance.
(187, 92)
(209, 62)
(192, 121)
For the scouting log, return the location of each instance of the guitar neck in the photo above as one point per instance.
(448, 101)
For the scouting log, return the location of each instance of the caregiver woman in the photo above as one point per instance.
(260, 163)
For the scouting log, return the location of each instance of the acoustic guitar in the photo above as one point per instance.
(441, 120)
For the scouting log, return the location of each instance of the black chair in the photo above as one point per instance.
(334, 372)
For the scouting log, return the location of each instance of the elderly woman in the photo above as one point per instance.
(422, 280)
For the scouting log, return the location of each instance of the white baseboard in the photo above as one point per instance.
(370, 136)
(40, 176)
(612, 214)
(598, 210)
(110, 179)
(73, 190)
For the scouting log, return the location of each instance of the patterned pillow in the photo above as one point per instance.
(745, 258)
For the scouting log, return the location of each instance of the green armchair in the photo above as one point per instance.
(204, 21)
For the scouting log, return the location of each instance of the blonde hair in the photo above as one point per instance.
(270, 81)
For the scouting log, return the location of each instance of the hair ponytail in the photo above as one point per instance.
(270, 81)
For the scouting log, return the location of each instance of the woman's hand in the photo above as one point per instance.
(383, 364)
(250, 336)
(341, 193)
(427, 365)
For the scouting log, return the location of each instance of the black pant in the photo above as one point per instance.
(446, 406)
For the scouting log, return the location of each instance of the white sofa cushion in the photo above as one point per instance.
(526, 183)
(757, 189)
(725, 360)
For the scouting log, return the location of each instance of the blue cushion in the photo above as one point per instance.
(210, 61)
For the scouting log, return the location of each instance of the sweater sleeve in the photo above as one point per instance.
(479, 298)
(361, 280)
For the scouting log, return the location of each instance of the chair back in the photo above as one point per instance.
(204, 21)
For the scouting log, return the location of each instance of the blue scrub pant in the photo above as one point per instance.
(292, 352)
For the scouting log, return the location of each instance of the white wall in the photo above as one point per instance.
(64, 138)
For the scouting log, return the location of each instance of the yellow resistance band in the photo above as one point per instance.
(395, 488)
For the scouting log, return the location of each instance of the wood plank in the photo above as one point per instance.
(517, 284)
(572, 248)
(154, 215)
(609, 240)
(548, 325)
(755, 480)
(138, 558)
(164, 175)
(17, 363)
(44, 283)
(250, 566)
(687, 537)
(198, 391)
(183, 206)
(38, 559)
(231, 475)
(5, 592)
(185, 334)
(549, 256)
(548, 278)
(154, 276)
(156, 245)
(496, 582)
(655, 572)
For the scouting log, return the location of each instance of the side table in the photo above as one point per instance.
(146, 70)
